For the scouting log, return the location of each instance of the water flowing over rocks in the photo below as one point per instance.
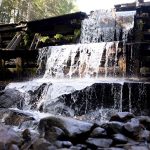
(114, 96)
(77, 115)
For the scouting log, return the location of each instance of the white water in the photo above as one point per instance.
(80, 60)
(106, 25)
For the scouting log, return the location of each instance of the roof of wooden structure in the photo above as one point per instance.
(132, 6)
(53, 24)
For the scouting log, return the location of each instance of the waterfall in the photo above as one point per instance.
(80, 60)
(81, 79)
(107, 26)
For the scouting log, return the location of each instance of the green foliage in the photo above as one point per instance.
(25, 10)
(58, 36)
(44, 39)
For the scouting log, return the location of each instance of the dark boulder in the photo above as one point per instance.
(36, 94)
(132, 129)
(54, 133)
(145, 121)
(122, 117)
(75, 130)
(98, 133)
(113, 127)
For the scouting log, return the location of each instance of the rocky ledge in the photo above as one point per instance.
(124, 131)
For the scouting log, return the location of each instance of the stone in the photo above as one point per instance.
(98, 142)
(63, 144)
(122, 117)
(35, 95)
(76, 148)
(138, 148)
(8, 136)
(41, 144)
(74, 130)
(144, 120)
(120, 139)
(17, 117)
(81, 102)
(26, 135)
(112, 148)
(13, 147)
(132, 129)
(54, 133)
(11, 98)
(144, 135)
(113, 127)
(82, 146)
(98, 132)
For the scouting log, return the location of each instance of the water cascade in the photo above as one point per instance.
(87, 79)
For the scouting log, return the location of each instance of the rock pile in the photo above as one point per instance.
(124, 131)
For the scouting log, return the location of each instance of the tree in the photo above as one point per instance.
(26, 10)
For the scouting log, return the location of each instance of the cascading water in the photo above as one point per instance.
(107, 26)
(78, 79)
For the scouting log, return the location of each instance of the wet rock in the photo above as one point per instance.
(74, 130)
(122, 117)
(138, 148)
(113, 127)
(97, 142)
(83, 101)
(13, 147)
(63, 144)
(29, 139)
(144, 135)
(26, 135)
(35, 95)
(41, 144)
(2, 85)
(79, 147)
(17, 117)
(11, 98)
(144, 120)
(8, 136)
(82, 146)
(54, 133)
(98, 133)
(133, 128)
(120, 139)
(112, 148)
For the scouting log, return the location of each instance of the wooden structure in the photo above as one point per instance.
(21, 41)
(138, 61)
